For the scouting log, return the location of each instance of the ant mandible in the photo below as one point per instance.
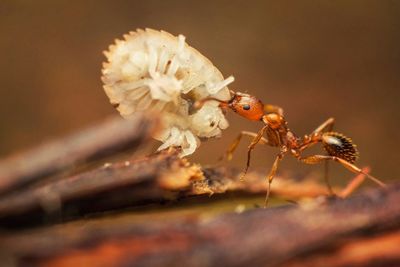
(339, 148)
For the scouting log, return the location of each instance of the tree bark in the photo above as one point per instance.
(156, 211)
(107, 138)
(363, 230)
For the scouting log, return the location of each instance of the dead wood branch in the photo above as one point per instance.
(105, 188)
(260, 237)
(111, 136)
(363, 230)
(160, 177)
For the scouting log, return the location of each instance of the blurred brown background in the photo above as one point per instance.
(314, 58)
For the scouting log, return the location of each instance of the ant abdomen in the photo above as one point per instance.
(340, 146)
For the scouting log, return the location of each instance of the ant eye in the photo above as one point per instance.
(246, 107)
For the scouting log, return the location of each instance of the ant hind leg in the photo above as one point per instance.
(353, 168)
(354, 183)
(327, 180)
(326, 126)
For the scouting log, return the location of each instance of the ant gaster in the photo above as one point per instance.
(276, 133)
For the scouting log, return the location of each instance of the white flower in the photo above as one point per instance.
(154, 70)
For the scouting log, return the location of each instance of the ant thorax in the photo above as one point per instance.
(275, 121)
(292, 141)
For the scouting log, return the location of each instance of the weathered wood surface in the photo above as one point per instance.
(363, 230)
(105, 188)
(104, 139)
(162, 210)
(155, 179)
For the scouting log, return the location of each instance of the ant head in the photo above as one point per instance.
(247, 106)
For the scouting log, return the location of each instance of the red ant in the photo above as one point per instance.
(339, 148)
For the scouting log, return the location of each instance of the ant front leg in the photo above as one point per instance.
(250, 148)
(353, 168)
(229, 153)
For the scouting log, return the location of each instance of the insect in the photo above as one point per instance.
(276, 133)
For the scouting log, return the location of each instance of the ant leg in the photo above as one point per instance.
(229, 153)
(271, 175)
(253, 143)
(353, 168)
(326, 126)
(326, 177)
(354, 184)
